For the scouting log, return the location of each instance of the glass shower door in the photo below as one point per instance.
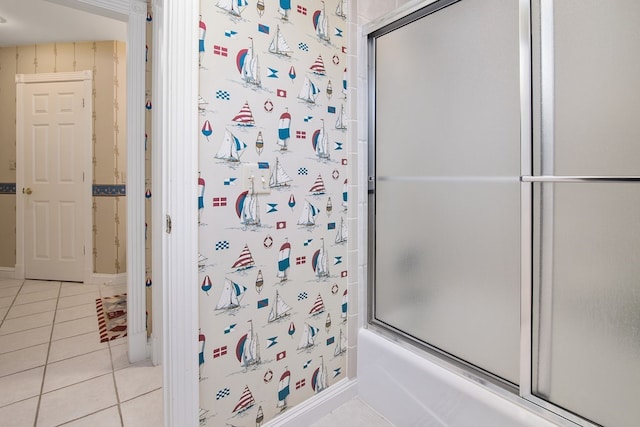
(586, 314)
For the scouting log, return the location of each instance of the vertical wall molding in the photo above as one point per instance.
(136, 314)
(177, 142)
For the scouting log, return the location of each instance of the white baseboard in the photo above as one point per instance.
(7, 273)
(109, 279)
(318, 406)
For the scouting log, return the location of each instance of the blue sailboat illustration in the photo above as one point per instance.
(231, 148)
(233, 7)
(309, 91)
(231, 295)
(307, 340)
(309, 214)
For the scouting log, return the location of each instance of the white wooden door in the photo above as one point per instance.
(54, 150)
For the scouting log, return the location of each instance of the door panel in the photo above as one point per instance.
(53, 149)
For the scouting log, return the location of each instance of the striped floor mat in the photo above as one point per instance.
(112, 317)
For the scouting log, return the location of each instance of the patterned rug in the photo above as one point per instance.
(112, 317)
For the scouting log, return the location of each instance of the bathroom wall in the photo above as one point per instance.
(107, 60)
(273, 255)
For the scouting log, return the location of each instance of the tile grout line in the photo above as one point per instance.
(11, 305)
(113, 372)
(44, 372)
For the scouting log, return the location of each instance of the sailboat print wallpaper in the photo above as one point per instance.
(273, 243)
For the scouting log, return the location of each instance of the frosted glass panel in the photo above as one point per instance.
(588, 357)
(447, 189)
(597, 82)
(448, 267)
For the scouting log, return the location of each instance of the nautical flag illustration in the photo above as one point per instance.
(331, 226)
(318, 66)
(319, 377)
(263, 28)
(302, 296)
(219, 352)
(307, 119)
(281, 355)
(307, 340)
(331, 109)
(338, 32)
(231, 148)
(279, 177)
(292, 73)
(285, 7)
(244, 116)
(337, 260)
(318, 187)
(283, 389)
(302, 10)
(229, 328)
(248, 348)
(279, 45)
(318, 306)
(309, 214)
(338, 146)
(223, 94)
(292, 201)
(272, 341)
(206, 129)
(284, 130)
(309, 91)
(245, 260)
(273, 73)
(220, 50)
(221, 394)
(320, 143)
(306, 242)
(263, 303)
(231, 296)
(273, 207)
(343, 307)
(336, 372)
(248, 65)
(321, 24)
(206, 284)
(246, 401)
(331, 340)
(233, 7)
(319, 262)
(230, 33)
(279, 310)
(229, 181)
(281, 225)
(284, 263)
(281, 93)
(306, 365)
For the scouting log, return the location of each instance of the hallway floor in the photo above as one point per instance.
(55, 371)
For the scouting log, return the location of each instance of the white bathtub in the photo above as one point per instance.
(410, 390)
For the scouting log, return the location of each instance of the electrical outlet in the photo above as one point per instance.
(258, 174)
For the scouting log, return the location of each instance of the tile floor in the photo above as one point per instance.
(353, 413)
(55, 371)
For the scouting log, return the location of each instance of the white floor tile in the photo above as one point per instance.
(9, 283)
(120, 357)
(76, 346)
(9, 291)
(6, 301)
(26, 298)
(70, 289)
(354, 412)
(144, 411)
(31, 308)
(75, 300)
(76, 312)
(77, 369)
(20, 386)
(21, 360)
(33, 286)
(75, 327)
(137, 380)
(3, 312)
(109, 417)
(18, 340)
(23, 323)
(78, 400)
(20, 414)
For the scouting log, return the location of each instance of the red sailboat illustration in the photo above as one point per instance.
(246, 401)
(248, 208)
(233, 7)
(320, 142)
(248, 65)
(319, 377)
(318, 306)
(320, 263)
(318, 66)
(245, 260)
(245, 116)
(248, 348)
(318, 187)
(321, 24)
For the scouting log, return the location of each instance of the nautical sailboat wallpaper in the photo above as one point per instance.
(273, 250)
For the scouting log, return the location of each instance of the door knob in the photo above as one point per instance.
(27, 190)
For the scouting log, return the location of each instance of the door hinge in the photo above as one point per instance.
(168, 224)
(82, 102)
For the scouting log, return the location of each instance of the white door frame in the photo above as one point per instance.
(21, 81)
(174, 166)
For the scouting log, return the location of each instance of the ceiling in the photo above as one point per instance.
(40, 21)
